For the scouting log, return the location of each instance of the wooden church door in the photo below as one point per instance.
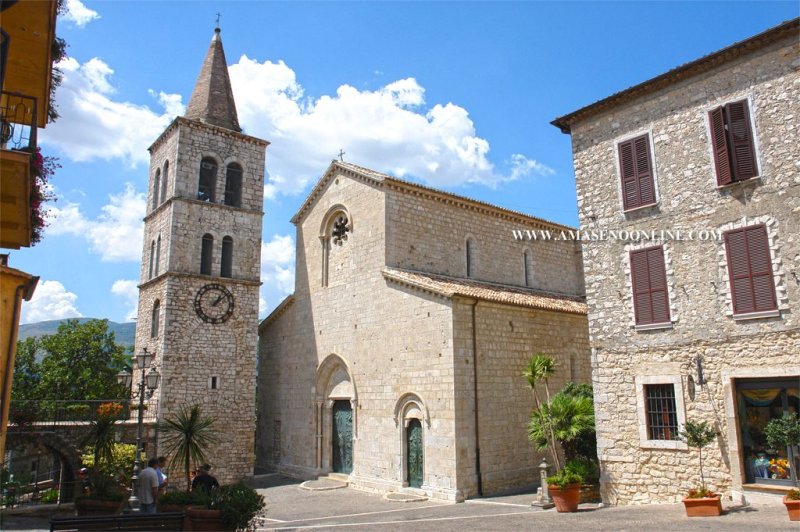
(414, 453)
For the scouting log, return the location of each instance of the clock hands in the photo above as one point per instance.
(220, 298)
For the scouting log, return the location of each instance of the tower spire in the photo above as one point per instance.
(212, 98)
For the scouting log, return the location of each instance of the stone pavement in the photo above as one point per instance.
(292, 508)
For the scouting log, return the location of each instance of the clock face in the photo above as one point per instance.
(213, 303)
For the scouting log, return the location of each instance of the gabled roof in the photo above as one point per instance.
(688, 70)
(212, 97)
(448, 287)
(379, 179)
(280, 309)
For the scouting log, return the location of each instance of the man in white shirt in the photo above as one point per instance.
(148, 487)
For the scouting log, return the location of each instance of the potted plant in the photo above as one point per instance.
(700, 502)
(792, 502)
(784, 432)
(562, 419)
(565, 489)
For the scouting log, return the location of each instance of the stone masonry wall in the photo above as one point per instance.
(399, 344)
(189, 351)
(427, 234)
(702, 323)
(506, 339)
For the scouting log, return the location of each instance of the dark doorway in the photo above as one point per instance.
(414, 450)
(342, 437)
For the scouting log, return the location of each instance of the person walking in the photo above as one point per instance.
(148, 487)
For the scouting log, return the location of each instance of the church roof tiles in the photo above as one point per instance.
(497, 293)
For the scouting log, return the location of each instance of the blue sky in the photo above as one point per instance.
(457, 95)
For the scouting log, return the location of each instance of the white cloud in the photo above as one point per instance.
(387, 129)
(95, 126)
(128, 290)
(79, 14)
(50, 301)
(116, 235)
(277, 270)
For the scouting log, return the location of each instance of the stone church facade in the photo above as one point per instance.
(200, 273)
(397, 360)
(703, 329)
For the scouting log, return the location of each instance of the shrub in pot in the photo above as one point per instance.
(784, 432)
(792, 502)
(565, 489)
(700, 501)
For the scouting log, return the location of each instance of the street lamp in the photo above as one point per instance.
(150, 382)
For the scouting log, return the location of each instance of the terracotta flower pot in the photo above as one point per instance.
(187, 523)
(567, 499)
(98, 507)
(705, 507)
(205, 519)
(793, 507)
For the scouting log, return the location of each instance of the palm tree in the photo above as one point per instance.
(540, 368)
(564, 419)
(186, 438)
(101, 438)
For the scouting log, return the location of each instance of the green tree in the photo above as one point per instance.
(26, 370)
(539, 369)
(186, 438)
(699, 434)
(80, 361)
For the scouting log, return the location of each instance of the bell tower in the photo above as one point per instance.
(200, 272)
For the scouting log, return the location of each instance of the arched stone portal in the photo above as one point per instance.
(336, 403)
(66, 451)
(410, 416)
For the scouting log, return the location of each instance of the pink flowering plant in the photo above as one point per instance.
(42, 170)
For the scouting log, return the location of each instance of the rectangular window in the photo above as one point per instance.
(732, 143)
(636, 172)
(649, 282)
(213, 383)
(750, 270)
(662, 413)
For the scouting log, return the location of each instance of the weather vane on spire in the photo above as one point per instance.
(341, 155)
(218, 15)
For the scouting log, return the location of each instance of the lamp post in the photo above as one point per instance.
(150, 381)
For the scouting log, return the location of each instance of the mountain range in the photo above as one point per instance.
(124, 333)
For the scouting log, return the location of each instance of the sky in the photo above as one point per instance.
(454, 95)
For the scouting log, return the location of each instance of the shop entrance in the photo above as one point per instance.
(759, 401)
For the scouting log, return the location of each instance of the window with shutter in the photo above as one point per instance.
(732, 142)
(649, 281)
(636, 172)
(750, 270)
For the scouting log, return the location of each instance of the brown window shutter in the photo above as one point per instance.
(644, 171)
(750, 270)
(649, 279)
(743, 153)
(720, 147)
(630, 183)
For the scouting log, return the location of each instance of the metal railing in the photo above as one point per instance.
(48, 416)
(17, 121)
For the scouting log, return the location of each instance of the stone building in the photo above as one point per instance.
(200, 273)
(694, 326)
(398, 359)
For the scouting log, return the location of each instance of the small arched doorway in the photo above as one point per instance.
(411, 417)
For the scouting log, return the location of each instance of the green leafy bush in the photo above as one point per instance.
(195, 498)
(49, 497)
(783, 431)
(698, 434)
(239, 504)
(793, 495)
